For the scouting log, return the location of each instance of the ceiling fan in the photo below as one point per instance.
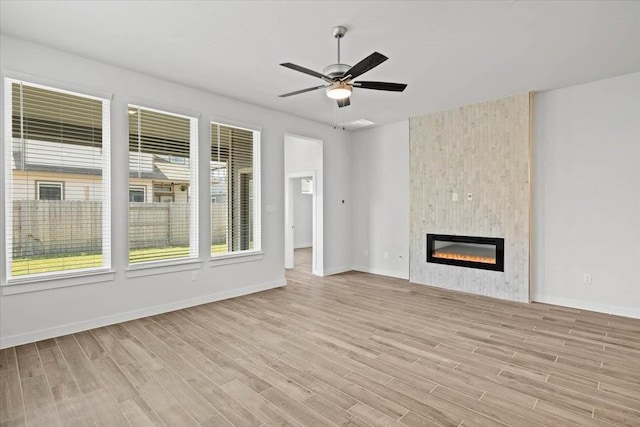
(339, 78)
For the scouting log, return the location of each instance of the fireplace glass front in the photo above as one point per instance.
(466, 251)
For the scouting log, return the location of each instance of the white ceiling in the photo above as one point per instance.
(449, 53)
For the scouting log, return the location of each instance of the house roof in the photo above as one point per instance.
(162, 170)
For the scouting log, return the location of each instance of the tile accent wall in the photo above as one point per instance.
(483, 149)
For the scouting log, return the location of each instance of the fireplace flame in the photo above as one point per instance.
(463, 257)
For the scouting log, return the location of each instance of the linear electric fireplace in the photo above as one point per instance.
(486, 253)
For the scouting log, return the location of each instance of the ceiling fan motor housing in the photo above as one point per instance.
(336, 70)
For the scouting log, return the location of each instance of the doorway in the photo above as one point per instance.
(303, 161)
(301, 219)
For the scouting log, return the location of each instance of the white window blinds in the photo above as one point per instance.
(57, 179)
(235, 189)
(163, 170)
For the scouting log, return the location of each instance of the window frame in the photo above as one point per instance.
(309, 185)
(142, 188)
(50, 280)
(232, 257)
(161, 266)
(59, 184)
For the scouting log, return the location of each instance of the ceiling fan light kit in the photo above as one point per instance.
(339, 78)
(339, 90)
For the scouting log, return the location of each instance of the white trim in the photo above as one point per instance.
(161, 108)
(7, 177)
(588, 305)
(192, 195)
(382, 272)
(233, 124)
(336, 270)
(107, 215)
(54, 281)
(317, 262)
(70, 328)
(303, 246)
(152, 268)
(235, 258)
(48, 83)
(257, 189)
(306, 138)
(105, 100)
(255, 171)
(60, 184)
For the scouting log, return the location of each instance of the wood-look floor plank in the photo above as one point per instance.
(302, 413)
(139, 413)
(39, 406)
(29, 364)
(82, 371)
(373, 417)
(8, 358)
(257, 404)
(113, 378)
(11, 404)
(187, 397)
(333, 413)
(55, 367)
(72, 406)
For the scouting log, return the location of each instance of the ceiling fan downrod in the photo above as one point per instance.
(339, 32)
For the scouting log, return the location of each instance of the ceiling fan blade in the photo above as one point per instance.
(365, 65)
(306, 71)
(393, 87)
(343, 102)
(297, 92)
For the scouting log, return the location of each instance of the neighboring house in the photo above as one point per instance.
(153, 177)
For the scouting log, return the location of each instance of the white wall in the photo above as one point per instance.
(587, 196)
(41, 314)
(302, 216)
(380, 177)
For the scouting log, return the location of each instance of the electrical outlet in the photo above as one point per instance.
(586, 278)
(454, 197)
(194, 276)
(469, 197)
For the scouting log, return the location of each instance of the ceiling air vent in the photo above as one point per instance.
(356, 124)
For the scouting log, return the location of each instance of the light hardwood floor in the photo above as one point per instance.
(350, 350)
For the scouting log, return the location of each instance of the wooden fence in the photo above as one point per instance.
(49, 227)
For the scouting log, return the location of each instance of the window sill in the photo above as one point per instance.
(152, 268)
(53, 281)
(235, 258)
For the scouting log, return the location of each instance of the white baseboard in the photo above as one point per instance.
(587, 305)
(84, 325)
(336, 270)
(382, 272)
(303, 246)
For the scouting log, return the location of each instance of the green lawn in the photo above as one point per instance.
(51, 263)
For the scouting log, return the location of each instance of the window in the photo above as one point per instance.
(57, 181)
(306, 185)
(235, 189)
(163, 156)
(49, 191)
(136, 194)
